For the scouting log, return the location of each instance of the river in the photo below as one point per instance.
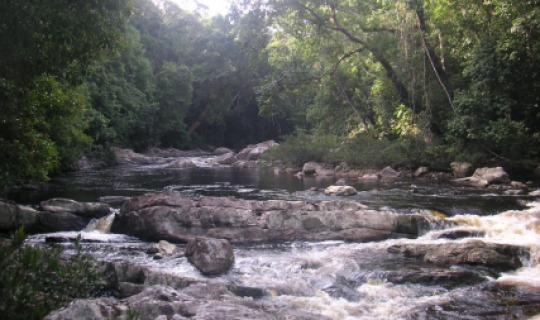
(338, 279)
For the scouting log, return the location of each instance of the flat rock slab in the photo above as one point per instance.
(498, 256)
(201, 301)
(174, 217)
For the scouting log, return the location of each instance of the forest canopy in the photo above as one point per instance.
(379, 82)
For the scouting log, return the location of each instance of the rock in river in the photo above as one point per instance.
(473, 252)
(174, 217)
(196, 302)
(210, 256)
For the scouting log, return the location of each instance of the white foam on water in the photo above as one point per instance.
(516, 227)
(380, 301)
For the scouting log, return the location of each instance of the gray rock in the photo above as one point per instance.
(163, 249)
(310, 168)
(340, 191)
(181, 164)
(222, 151)
(82, 209)
(448, 277)
(13, 216)
(492, 175)
(174, 217)
(459, 233)
(210, 256)
(420, 172)
(461, 169)
(253, 152)
(388, 173)
(471, 182)
(474, 252)
(197, 302)
(226, 159)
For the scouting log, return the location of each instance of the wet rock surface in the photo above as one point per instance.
(210, 256)
(199, 301)
(473, 252)
(57, 214)
(174, 217)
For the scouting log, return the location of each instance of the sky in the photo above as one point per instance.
(214, 6)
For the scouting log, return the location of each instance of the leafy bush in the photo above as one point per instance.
(302, 147)
(36, 281)
(361, 151)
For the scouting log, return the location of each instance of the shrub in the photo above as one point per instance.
(36, 281)
(302, 147)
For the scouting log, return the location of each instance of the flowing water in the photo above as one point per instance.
(337, 279)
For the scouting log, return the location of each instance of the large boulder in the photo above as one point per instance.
(163, 249)
(318, 169)
(83, 209)
(129, 157)
(174, 217)
(461, 169)
(181, 164)
(252, 152)
(474, 252)
(345, 191)
(53, 215)
(492, 175)
(210, 256)
(13, 216)
(388, 173)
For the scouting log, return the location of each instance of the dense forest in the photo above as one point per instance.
(370, 82)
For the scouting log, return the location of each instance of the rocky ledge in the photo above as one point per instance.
(501, 257)
(174, 217)
(199, 301)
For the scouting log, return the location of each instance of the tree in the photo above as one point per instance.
(47, 45)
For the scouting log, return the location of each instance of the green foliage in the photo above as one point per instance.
(302, 147)
(45, 49)
(36, 281)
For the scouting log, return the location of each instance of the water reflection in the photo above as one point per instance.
(256, 183)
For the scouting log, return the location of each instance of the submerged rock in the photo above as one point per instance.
(174, 217)
(210, 256)
(475, 252)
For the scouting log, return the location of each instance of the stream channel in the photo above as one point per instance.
(337, 279)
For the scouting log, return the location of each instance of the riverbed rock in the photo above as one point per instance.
(13, 216)
(461, 169)
(222, 150)
(318, 169)
(82, 209)
(162, 249)
(181, 164)
(174, 217)
(420, 172)
(252, 152)
(225, 159)
(345, 191)
(388, 173)
(447, 277)
(474, 252)
(196, 302)
(492, 175)
(210, 256)
(129, 157)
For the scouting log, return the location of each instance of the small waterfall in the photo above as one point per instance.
(101, 225)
